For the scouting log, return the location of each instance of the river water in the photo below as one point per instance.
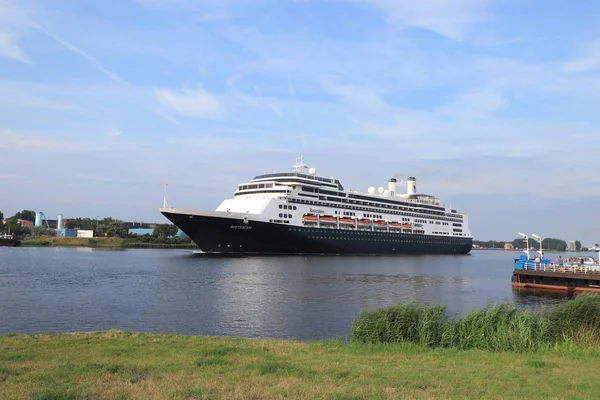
(177, 291)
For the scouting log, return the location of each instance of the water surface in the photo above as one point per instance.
(176, 291)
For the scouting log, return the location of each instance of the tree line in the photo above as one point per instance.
(106, 227)
(547, 244)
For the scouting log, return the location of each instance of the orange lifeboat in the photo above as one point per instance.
(310, 218)
(407, 226)
(328, 218)
(347, 220)
(364, 221)
(395, 224)
(380, 222)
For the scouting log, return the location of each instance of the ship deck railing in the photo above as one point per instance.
(562, 268)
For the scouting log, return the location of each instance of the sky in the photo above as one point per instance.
(491, 104)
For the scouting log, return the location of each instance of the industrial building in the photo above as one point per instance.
(140, 231)
(134, 228)
(58, 225)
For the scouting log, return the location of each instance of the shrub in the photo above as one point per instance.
(501, 327)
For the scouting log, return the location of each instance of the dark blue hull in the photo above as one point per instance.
(234, 236)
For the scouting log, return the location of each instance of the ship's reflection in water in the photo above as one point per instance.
(304, 298)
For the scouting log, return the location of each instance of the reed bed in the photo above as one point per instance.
(500, 327)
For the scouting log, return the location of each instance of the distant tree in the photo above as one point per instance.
(1, 216)
(15, 229)
(547, 244)
(165, 230)
(82, 223)
(112, 228)
(577, 245)
(39, 231)
(27, 215)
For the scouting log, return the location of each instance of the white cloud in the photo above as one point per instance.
(589, 62)
(451, 19)
(114, 133)
(11, 140)
(357, 96)
(197, 103)
(205, 142)
(474, 104)
(90, 59)
(10, 49)
(8, 177)
(264, 102)
(159, 3)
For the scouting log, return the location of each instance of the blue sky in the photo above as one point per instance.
(492, 105)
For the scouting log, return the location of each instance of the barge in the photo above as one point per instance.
(578, 274)
(9, 241)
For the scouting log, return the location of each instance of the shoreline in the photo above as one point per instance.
(106, 243)
(127, 365)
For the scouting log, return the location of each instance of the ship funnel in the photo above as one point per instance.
(392, 183)
(411, 186)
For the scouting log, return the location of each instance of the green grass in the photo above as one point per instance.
(500, 327)
(126, 365)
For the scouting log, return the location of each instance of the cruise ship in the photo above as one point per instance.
(299, 212)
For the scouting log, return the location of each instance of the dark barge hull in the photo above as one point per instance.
(9, 242)
(239, 235)
(556, 281)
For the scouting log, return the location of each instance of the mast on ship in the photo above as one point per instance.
(299, 166)
(165, 202)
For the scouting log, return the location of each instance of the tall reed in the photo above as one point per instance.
(501, 327)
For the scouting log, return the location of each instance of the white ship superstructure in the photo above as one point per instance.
(304, 199)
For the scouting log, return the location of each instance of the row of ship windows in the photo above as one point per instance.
(270, 185)
(286, 207)
(285, 215)
(318, 203)
(376, 240)
(263, 191)
(257, 186)
(374, 216)
(346, 213)
(359, 233)
(371, 204)
(354, 196)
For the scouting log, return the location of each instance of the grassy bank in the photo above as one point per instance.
(106, 242)
(121, 365)
(497, 328)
